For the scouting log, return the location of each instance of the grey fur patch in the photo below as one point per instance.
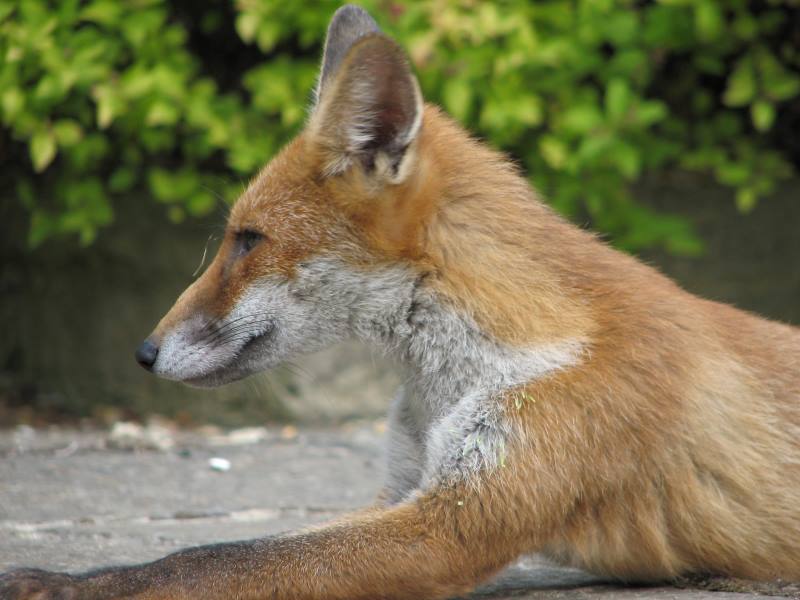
(405, 450)
(457, 375)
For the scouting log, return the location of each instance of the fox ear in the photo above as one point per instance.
(369, 107)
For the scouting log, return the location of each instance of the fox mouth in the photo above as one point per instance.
(242, 362)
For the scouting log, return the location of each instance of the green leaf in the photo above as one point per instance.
(627, 159)
(12, 102)
(6, 8)
(741, 88)
(650, 112)
(733, 173)
(68, 132)
(173, 186)
(269, 32)
(42, 149)
(457, 96)
(106, 106)
(49, 89)
(581, 118)
(200, 203)
(246, 26)
(593, 148)
(763, 115)
(777, 82)
(105, 12)
(774, 76)
(746, 199)
(708, 19)
(161, 185)
(527, 110)
(162, 113)
(783, 89)
(554, 151)
(618, 98)
(87, 235)
(622, 26)
(122, 179)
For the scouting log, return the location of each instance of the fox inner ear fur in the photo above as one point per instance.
(369, 107)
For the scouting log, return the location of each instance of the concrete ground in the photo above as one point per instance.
(74, 500)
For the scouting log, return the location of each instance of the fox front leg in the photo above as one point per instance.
(405, 447)
(434, 546)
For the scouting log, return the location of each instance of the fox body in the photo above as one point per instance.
(561, 397)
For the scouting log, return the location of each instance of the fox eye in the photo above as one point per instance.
(246, 240)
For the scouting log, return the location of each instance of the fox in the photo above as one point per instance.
(560, 396)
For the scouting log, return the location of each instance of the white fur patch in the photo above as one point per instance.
(458, 377)
(475, 432)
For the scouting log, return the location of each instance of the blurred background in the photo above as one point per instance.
(128, 127)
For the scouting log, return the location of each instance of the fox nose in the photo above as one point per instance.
(146, 354)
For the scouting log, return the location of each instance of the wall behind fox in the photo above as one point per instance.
(71, 319)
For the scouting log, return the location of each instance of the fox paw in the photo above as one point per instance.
(35, 584)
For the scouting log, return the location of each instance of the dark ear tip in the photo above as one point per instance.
(351, 15)
(348, 24)
(351, 22)
(349, 9)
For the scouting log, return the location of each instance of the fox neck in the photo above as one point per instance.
(444, 353)
(449, 356)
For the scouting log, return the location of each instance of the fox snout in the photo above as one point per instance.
(206, 351)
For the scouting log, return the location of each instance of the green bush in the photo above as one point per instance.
(189, 99)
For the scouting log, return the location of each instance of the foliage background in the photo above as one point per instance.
(660, 122)
(186, 100)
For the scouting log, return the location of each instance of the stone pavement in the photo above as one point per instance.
(74, 500)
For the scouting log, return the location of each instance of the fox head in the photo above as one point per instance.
(335, 236)
(296, 268)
